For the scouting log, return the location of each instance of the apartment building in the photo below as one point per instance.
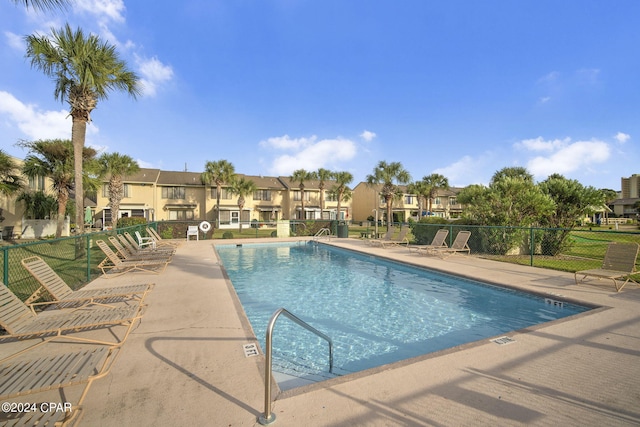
(623, 206)
(181, 196)
(367, 199)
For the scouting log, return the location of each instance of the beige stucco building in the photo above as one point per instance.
(366, 199)
(181, 196)
(623, 206)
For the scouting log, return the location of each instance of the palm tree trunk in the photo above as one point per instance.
(62, 206)
(78, 134)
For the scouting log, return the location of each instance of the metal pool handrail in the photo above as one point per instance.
(268, 417)
(322, 232)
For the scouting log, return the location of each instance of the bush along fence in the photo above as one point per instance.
(556, 248)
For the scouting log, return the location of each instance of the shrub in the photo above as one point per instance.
(227, 235)
(131, 221)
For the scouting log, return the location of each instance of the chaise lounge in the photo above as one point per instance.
(619, 263)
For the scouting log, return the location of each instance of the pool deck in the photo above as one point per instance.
(185, 364)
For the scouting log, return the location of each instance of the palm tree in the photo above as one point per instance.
(38, 205)
(242, 188)
(43, 4)
(218, 173)
(116, 166)
(387, 175)
(10, 182)
(323, 176)
(432, 184)
(341, 189)
(300, 176)
(53, 159)
(421, 190)
(85, 70)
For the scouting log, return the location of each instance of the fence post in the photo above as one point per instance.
(532, 245)
(88, 246)
(5, 270)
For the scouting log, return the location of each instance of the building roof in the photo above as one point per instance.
(270, 182)
(179, 178)
(144, 175)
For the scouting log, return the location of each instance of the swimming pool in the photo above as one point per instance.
(375, 311)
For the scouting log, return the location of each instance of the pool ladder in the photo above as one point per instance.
(268, 417)
(321, 233)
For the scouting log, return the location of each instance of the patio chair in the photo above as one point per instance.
(138, 249)
(460, 244)
(28, 375)
(399, 240)
(619, 263)
(130, 255)
(61, 292)
(145, 241)
(192, 230)
(20, 321)
(439, 241)
(160, 241)
(113, 266)
(384, 238)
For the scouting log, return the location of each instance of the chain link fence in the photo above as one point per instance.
(76, 259)
(555, 248)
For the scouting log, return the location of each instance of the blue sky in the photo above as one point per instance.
(461, 88)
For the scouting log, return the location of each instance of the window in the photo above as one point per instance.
(262, 195)
(224, 194)
(36, 183)
(225, 217)
(127, 191)
(453, 201)
(173, 193)
(181, 214)
(408, 199)
(331, 197)
(437, 201)
(296, 196)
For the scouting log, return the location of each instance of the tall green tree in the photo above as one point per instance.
(219, 172)
(390, 176)
(323, 175)
(242, 188)
(512, 199)
(53, 158)
(572, 202)
(341, 189)
(300, 176)
(420, 189)
(10, 181)
(85, 70)
(115, 167)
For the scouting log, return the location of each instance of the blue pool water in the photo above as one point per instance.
(375, 311)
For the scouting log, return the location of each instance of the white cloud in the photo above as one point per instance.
(539, 144)
(309, 153)
(153, 73)
(622, 137)
(468, 170)
(34, 123)
(103, 9)
(14, 41)
(285, 142)
(368, 135)
(569, 157)
(551, 77)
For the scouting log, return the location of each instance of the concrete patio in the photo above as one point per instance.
(185, 363)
